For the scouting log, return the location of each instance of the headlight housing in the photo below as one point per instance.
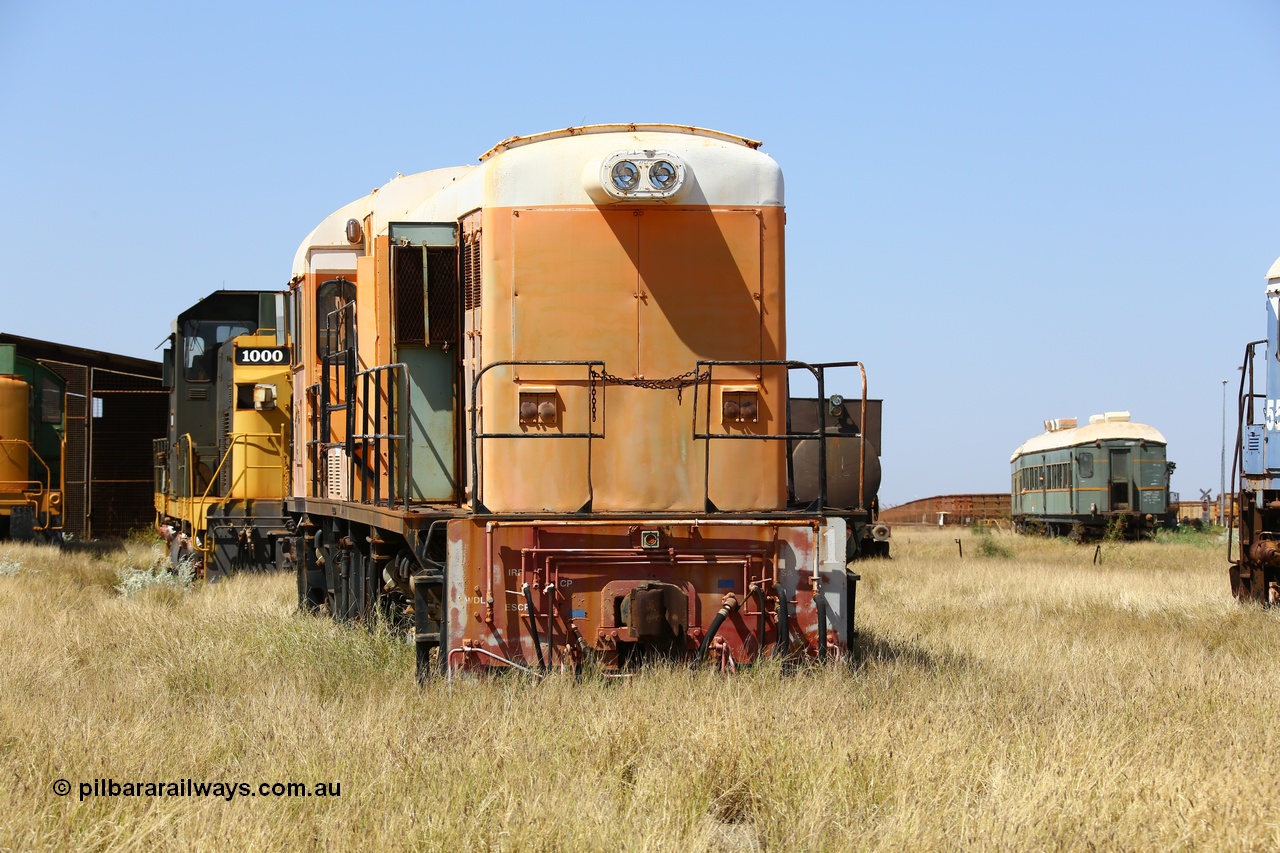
(624, 176)
(642, 175)
(662, 174)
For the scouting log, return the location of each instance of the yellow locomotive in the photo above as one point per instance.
(221, 473)
(542, 413)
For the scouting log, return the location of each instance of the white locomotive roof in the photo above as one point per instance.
(398, 194)
(1099, 429)
(515, 141)
(553, 169)
(1274, 272)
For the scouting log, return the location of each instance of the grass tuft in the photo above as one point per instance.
(157, 577)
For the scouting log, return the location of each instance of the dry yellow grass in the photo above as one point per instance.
(1034, 701)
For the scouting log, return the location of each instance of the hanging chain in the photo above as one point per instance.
(676, 383)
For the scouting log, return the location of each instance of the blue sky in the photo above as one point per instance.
(1009, 211)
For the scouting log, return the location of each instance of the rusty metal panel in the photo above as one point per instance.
(570, 282)
(592, 583)
(701, 284)
(573, 289)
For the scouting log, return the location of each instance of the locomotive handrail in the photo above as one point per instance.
(234, 439)
(1244, 414)
(45, 487)
(819, 373)
(476, 436)
(402, 407)
(186, 502)
(221, 500)
(41, 487)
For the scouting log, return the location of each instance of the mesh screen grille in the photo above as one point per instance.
(442, 296)
(406, 269)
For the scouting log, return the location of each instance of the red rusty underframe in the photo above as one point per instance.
(490, 623)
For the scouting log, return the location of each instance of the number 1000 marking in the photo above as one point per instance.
(262, 355)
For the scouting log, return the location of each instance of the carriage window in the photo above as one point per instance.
(335, 316)
(1085, 463)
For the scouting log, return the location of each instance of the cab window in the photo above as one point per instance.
(201, 339)
(335, 316)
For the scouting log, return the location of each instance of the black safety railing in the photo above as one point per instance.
(705, 375)
(337, 373)
(366, 465)
(598, 376)
(1246, 402)
(477, 436)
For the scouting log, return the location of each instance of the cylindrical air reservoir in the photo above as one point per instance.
(844, 454)
(15, 431)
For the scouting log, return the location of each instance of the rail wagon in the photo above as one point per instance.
(32, 448)
(221, 473)
(543, 414)
(1255, 468)
(1081, 481)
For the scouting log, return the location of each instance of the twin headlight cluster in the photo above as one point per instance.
(637, 175)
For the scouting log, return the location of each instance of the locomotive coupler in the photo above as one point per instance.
(1265, 553)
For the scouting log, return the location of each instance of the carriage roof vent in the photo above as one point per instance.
(1110, 417)
(1059, 424)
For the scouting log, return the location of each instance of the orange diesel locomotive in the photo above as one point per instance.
(541, 408)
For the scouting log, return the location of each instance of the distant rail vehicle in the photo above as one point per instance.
(542, 414)
(32, 448)
(1108, 476)
(1255, 467)
(221, 474)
